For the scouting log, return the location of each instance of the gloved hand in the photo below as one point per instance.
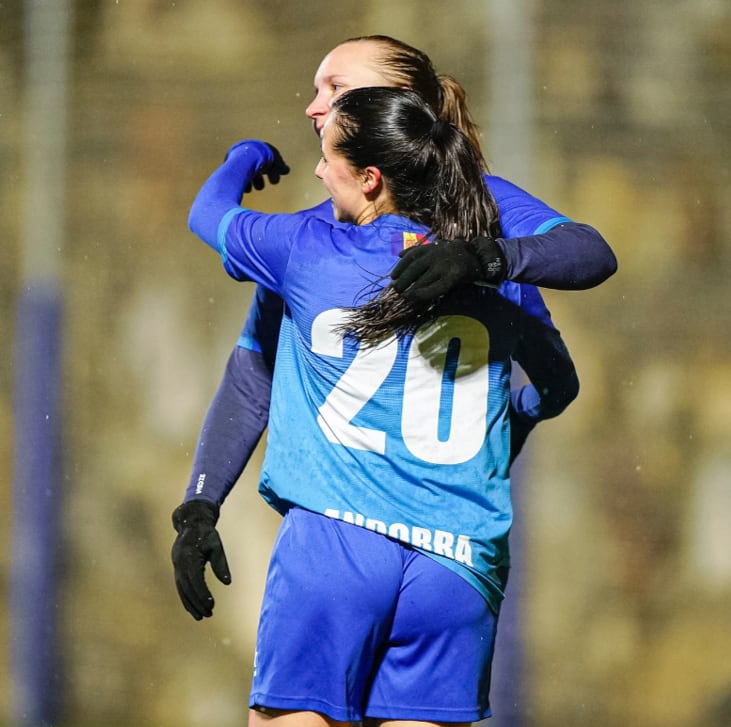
(197, 543)
(273, 170)
(427, 272)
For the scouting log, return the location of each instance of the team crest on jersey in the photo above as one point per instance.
(403, 240)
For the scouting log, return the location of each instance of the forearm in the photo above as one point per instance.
(232, 428)
(534, 404)
(553, 382)
(528, 406)
(222, 191)
(571, 256)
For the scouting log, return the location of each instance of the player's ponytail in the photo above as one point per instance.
(455, 110)
(434, 177)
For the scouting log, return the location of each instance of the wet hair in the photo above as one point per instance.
(433, 175)
(404, 66)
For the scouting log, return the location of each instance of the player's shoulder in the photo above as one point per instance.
(321, 211)
(501, 187)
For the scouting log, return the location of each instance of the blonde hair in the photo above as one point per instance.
(404, 66)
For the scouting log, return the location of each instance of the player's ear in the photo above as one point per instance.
(372, 180)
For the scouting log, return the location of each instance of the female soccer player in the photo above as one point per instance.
(544, 248)
(389, 462)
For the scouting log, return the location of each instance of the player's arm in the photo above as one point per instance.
(218, 203)
(571, 256)
(239, 411)
(543, 246)
(553, 381)
(539, 246)
(252, 245)
(232, 428)
(233, 425)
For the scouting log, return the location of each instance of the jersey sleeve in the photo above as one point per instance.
(221, 193)
(521, 213)
(321, 211)
(543, 247)
(261, 329)
(252, 245)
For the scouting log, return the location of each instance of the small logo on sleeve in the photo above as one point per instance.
(403, 240)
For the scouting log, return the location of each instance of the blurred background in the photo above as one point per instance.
(118, 323)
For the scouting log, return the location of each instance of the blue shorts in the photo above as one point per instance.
(355, 624)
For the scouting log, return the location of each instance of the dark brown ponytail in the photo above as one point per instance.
(434, 177)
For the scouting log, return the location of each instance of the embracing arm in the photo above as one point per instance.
(543, 246)
(553, 385)
(539, 245)
(570, 256)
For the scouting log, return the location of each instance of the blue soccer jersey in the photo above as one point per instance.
(239, 412)
(409, 438)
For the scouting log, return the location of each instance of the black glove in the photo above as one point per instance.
(197, 543)
(273, 170)
(427, 272)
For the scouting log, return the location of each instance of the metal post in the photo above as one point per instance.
(509, 149)
(37, 479)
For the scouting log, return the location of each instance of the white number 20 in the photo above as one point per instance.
(426, 387)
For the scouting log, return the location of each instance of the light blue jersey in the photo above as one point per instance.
(409, 439)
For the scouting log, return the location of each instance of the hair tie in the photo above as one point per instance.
(439, 129)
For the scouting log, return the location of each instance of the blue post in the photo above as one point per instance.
(36, 501)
